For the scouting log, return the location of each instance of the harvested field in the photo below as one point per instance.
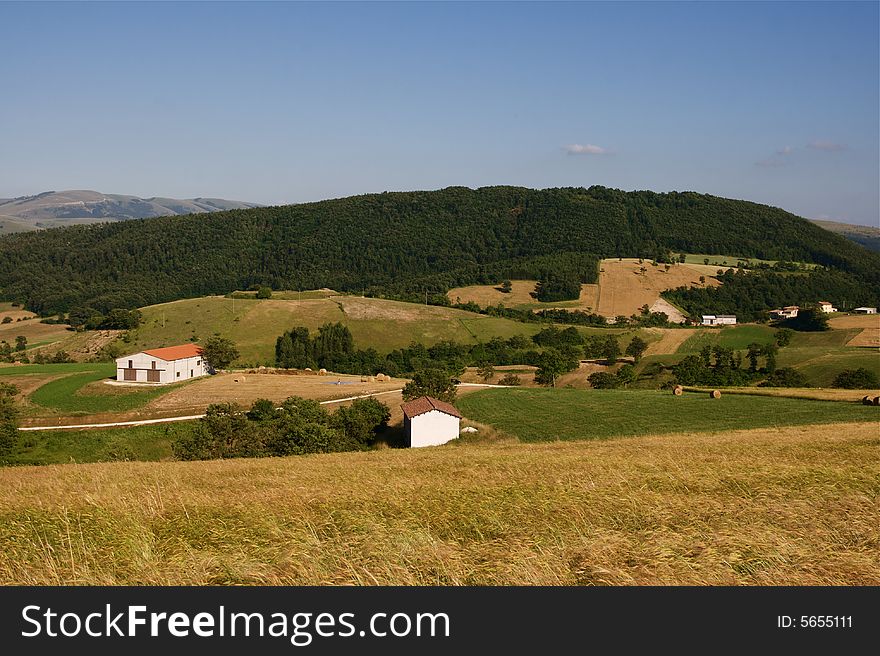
(869, 323)
(776, 506)
(485, 295)
(670, 339)
(275, 387)
(623, 289)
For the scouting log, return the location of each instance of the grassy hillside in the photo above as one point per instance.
(255, 324)
(400, 243)
(535, 415)
(145, 443)
(780, 506)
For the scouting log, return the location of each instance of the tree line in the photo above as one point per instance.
(750, 295)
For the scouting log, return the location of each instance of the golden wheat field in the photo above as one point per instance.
(760, 507)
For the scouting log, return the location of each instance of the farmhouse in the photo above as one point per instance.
(865, 310)
(719, 320)
(788, 312)
(163, 365)
(429, 422)
(826, 307)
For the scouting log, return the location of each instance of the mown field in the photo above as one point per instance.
(777, 506)
(535, 415)
(735, 337)
(76, 389)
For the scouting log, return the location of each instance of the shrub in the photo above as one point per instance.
(360, 421)
(8, 419)
(430, 382)
(510, 379)
(603, 380)
(786, 377)
(783, 337)
(860, 378)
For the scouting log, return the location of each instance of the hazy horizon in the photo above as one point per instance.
(277, 103)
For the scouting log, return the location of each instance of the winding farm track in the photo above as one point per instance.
(167, 420)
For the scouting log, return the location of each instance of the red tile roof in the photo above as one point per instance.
(425, 404)
(181, 352)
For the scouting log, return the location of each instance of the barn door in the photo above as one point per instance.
(152, 375)
(129, 374)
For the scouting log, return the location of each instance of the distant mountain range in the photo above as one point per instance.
(52, 209)
(867, 236)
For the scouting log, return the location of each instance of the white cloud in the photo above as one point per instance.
(776, 159)
(585, 149)
(827, 146)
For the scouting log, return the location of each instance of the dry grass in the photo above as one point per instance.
(623, 289)
(869, 323)
(770, 506)
(670, 339)
(222, 388)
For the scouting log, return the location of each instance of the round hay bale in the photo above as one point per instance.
(371, 379)
(322, 371)
(876, 400)
(678, 391)
(867, 400)
(309, 369)
(714, 394)
(380, 377)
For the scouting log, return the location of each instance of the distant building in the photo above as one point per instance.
(826, 307)
(429, 422)
(788, 312)
(865, 310)
(163, 365)
(719, 320)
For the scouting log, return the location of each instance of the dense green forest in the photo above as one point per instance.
(401, 244)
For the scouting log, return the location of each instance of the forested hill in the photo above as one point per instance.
(400, 243)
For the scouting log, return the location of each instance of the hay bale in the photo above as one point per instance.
(308, 369)
(677, 390)
(714, 394)
(867, 400)
(322, 371)
(876, 400)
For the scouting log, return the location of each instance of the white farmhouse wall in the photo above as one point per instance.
(431, 429)
(173, 371)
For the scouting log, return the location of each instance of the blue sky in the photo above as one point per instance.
(275, 103)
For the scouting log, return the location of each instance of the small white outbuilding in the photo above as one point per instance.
(430, 422)
(719, 320)
(865, 310)
(171, 364)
